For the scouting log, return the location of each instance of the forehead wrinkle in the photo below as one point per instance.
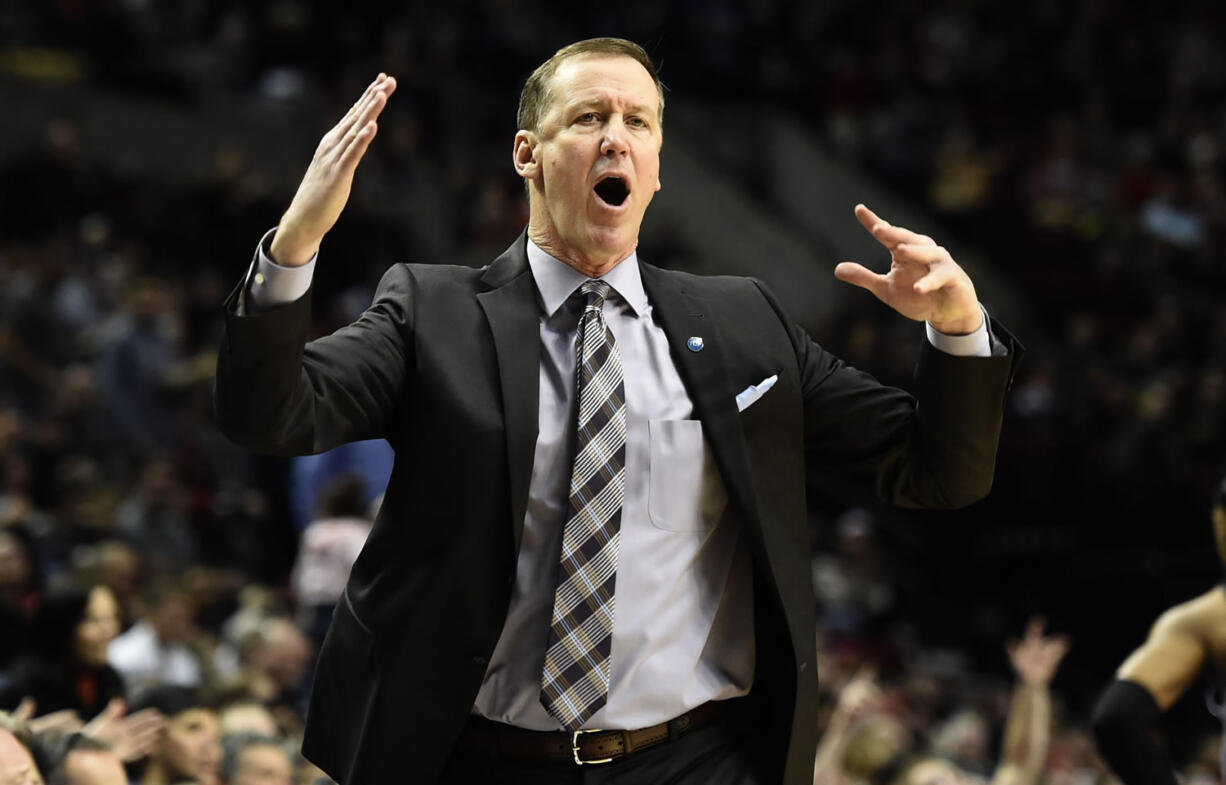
(608, 100)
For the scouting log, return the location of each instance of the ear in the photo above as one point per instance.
(524, 155)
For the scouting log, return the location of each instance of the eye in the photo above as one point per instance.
(636, 122)
(587, 118)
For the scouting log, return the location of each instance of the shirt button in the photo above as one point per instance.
(480, 661)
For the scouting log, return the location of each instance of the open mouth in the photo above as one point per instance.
(612, 190)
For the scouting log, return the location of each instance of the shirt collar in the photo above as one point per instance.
(557, 281)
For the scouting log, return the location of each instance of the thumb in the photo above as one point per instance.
(857, 274)
(113, 710)
(25, 710)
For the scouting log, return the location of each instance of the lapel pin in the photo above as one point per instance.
(694, 343)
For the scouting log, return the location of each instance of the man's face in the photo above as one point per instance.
(594, 165)
(16, 765)
(263, 764)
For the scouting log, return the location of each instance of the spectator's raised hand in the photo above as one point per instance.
(131, 736)
(325, 187)
(923, 283)
(861, 696)
(1035, 657)
(65, 720)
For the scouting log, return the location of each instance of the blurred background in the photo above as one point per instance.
(1071, 156)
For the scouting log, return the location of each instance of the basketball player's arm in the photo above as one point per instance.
(1150, 680)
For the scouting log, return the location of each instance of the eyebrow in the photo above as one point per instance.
(590, 102)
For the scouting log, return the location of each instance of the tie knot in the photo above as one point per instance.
(594, 293)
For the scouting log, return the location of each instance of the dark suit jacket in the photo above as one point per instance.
(444, 365)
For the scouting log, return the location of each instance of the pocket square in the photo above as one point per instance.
(747, 397)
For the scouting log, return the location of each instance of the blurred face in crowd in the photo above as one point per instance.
(98, 627)
(191, 746)
(15, 568)
(172, 619)
(94, 767)
(285, 653)
(16, 765)
(593, 165)
(935, 771)
(248, 718)
(263, 764)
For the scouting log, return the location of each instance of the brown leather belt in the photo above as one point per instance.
(496, 740)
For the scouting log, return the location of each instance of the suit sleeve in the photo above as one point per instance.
(278, 394)
(936, 448)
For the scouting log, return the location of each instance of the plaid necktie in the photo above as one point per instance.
(575, 680)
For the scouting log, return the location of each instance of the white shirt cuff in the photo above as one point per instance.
(270, 284)
(976, 344)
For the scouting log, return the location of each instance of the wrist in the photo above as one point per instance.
(964, 325)
(288, 250)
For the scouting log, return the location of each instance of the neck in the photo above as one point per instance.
(593, 264)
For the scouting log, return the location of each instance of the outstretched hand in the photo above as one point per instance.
(923, 283)
(326, 185)
(131, 736)
(1035, 657)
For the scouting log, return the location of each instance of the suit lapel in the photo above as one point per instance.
(510, 305)
(706, 379)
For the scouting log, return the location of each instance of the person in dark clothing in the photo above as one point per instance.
(1186, 640)
(67, 668)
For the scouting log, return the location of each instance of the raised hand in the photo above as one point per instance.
(861, 696)
(131, 736)
(923, 283)
(325, 187)
(1035, 657)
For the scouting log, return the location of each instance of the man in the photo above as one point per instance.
(596, 519)
(250, 759)
(17, 765)
(157, 648)
(1185, 641)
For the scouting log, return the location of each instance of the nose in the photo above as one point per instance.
(614, 141)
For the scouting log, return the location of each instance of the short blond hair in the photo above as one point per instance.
(535, 96)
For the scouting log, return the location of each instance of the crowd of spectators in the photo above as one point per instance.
(148, 587)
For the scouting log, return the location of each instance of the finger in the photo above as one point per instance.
(1034, 627)
(867, 218)
(144, 722)
(919, 254)
(373, 109)
(355, 107)
(352, 156)
(886, 233)
(25, 710)
(111, 712)
(892, 236)
(866, 672)
(939, 276)
(859, 275)
(146, 716)
(361, 112)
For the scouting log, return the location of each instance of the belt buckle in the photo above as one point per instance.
(574, 747)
